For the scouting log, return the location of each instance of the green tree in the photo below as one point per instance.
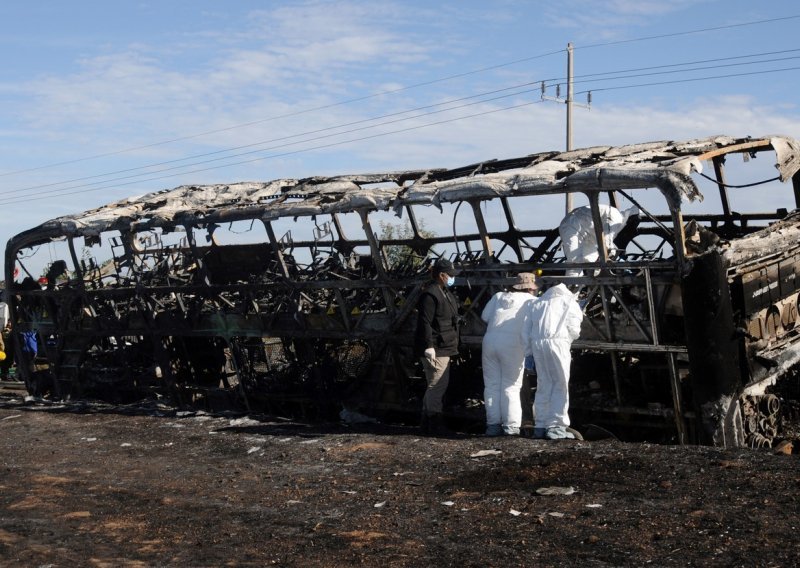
(398, 255)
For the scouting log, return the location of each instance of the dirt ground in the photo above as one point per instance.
(96, 485)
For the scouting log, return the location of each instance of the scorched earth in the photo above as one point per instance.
(146, 485)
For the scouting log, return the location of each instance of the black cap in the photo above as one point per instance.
(444, 265)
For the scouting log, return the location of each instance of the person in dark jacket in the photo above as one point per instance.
(437, 341)
(8, 349)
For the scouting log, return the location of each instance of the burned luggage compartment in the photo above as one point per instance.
(298, 295)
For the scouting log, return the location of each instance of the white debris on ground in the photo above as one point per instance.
(555, 491)
(484, 453)
(244, 421)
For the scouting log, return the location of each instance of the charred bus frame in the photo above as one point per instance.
(686, 335)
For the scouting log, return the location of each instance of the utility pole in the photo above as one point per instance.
(569, 102)
(569, 112)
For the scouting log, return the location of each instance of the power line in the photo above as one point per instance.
(597, 77)
(400, 89)
(60, 190)
(685, 63)
(65, 190)
(410, 128)
(690, 32)
(685, 70)
(602, 76)
(287, 137)
(290, 114)
(690, 80)
(332, 144)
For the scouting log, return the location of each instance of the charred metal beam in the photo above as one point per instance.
(320, 315)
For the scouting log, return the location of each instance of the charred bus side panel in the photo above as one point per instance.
(300, 294)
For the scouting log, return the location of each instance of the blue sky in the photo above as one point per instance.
(103, 100)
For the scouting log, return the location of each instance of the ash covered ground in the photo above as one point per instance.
(146, 485)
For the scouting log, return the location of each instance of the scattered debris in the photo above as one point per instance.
(484, 453)
(784, 447)
(173, 505)
(244, 422)
(555, 491)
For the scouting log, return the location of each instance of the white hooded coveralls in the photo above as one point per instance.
(578, 237)
(552, 324)
(502, 356)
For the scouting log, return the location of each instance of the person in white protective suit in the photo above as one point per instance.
(553, 322)
(578, 237)
(503, 356)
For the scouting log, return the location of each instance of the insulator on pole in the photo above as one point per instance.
(589, 98)
(543, 88)
(558, 91)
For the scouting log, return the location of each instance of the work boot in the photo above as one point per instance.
(424, 424)
(436, 426)
(493, 430)
(526, 430)
(559, 433)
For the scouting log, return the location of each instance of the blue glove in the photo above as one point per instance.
(529, 364)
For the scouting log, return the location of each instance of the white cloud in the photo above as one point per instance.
(292, 57)
(609, 19)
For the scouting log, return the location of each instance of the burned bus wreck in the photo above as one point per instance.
(301, 294)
